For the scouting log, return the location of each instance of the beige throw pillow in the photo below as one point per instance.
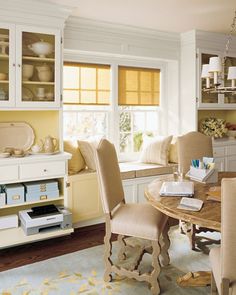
(173, 155)
(76, 163)
(88, 149)
(156, 150)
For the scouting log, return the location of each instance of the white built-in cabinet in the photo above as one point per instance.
(27, 169)
(30, 85)
(224, 152)
(32, 80)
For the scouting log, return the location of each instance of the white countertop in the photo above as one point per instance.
(34, 158)
(223, 141)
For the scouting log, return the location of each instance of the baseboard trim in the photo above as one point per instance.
(88, 222)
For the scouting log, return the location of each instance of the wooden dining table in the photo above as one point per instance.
(208, 217)
(210, 214)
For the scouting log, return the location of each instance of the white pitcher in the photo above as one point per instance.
(50, 144)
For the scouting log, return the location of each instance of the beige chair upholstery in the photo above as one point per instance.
(192, 145)
(223, 258)
(133, 220)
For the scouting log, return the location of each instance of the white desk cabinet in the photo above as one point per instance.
(31, 168)
(224, 151)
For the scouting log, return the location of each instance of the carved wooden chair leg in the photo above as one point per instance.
(122, 245)
(138, 259)
(213, 285)
(108, 252)
(155, 287)
(165, 245)
(193, 237)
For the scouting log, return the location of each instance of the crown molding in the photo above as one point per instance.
(82, 24)
(43, 13)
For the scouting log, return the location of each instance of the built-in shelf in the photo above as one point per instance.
(16, 236)
(32, 203)
(37, 83)
(33, 58)
(4, 81)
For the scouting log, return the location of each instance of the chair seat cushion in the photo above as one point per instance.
(138, 220)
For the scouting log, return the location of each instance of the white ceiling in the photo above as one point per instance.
(163, 15)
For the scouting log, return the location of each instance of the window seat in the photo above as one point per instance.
(131, 170)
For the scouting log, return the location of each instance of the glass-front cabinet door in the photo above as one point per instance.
(215, 100)
(7, 65)
(38, 67)
(229, 98)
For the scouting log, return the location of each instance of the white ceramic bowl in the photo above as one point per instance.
(3, 76)
(231, 133)
(27, 71)
(41, 48)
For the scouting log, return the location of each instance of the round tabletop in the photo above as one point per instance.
(210, 214)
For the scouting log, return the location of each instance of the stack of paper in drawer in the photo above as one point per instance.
(41, 190)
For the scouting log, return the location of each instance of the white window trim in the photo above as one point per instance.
(113, 111)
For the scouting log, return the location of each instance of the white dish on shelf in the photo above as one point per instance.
(43, 153)
(18, 156)
(18, 135)
(4, 155)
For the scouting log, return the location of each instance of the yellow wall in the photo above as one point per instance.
(43, 122)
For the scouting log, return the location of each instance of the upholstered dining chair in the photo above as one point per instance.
(132, 220)
(223, 258)
(192, 145)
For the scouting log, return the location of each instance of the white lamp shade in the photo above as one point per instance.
(231, 73)
(215, 64)
(205, 72)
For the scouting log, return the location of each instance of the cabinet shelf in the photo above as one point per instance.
(16, 236)
(37, 83)
(32, 203)
(4, 81)
(33, 58)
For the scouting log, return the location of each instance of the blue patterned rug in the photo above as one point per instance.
(82, 273)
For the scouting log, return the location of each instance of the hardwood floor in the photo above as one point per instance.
(82, 238)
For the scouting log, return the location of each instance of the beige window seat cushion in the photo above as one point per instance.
(131, 170)
(144, 170)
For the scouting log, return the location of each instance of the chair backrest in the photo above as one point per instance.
(192, 145)
(109, 179)
(228, 232)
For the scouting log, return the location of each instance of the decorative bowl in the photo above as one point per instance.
(27, 71)
(41, 48)
(231, 134)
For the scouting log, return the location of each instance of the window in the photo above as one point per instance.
(138, 86)
(92, 107)
(138, 99)
(86, 94)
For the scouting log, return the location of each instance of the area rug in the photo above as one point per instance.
(82, 273)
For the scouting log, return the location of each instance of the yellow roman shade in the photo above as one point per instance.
(86, 84)
(138, 86)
